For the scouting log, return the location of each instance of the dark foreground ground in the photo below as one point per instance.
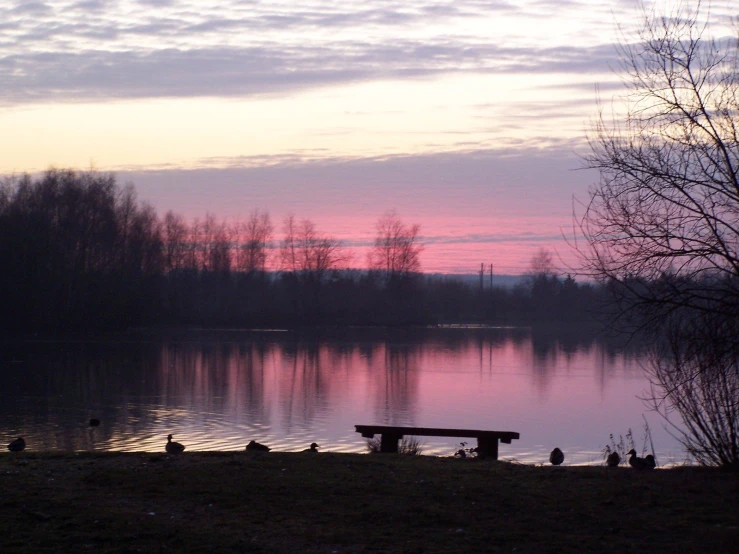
(281, 502)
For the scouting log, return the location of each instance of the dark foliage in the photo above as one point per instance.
(76, 251)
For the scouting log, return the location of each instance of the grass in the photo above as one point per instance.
(326, 503)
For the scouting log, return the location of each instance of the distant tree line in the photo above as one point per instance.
(79, 252)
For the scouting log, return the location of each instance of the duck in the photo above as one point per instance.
(173, 447)
(313, 447)
(613, 459)
(641, 463)
(254, 446)
(17, 445)
(556, 457)
(94, 422)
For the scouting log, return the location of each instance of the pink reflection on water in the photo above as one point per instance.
(288, 395)
(288, 391)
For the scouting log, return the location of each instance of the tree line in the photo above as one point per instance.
(80, 252)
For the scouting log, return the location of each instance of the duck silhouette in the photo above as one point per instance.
(173, 447)
(313, 448)
(641, 463)
(17, 445)
(613, 459)
(556, 457)
(254, 446)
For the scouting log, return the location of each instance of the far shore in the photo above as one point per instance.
(327, 502)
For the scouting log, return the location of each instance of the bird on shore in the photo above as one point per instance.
(556, 457)
(613, 459)
(173, 447)
(641, 463)
(313, 448)
(254, 446)
(94, 422)
(17, 445)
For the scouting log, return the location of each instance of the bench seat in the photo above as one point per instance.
(487, 441)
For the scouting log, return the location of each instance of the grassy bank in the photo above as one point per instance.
(282, 502)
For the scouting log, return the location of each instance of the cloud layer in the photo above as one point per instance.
(462, 114)
(94, 50)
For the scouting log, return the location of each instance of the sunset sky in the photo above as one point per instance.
(466, 117)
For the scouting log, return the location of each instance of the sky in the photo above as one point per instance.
(468, 118)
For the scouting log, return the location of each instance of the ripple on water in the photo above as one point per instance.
(224, 390)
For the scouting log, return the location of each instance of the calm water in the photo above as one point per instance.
(216, 390)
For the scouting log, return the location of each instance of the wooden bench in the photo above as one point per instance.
(487, 441)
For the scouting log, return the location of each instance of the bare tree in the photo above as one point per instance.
(662, 224)
(192, 245)
(145, 245)
(6, 191)
(221, 257)
(254, 238)
(214, 244)
(668, 198)
(289, 246)
(175, 237)
(77, 251)
(542, 263)
(695, 371)
(307, 253)
(397, 249)
(543, 284)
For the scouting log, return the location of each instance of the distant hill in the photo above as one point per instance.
(505, 281)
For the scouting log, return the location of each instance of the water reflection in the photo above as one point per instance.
(220, 389)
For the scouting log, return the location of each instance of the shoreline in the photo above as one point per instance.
(223, 501)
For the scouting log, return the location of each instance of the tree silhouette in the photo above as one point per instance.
(397, 250)
(662, 224)
(76, 251)
(254, 237)
(79, 252)
(308, 254)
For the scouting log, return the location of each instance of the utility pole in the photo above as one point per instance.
(482, 275)
(491, 276)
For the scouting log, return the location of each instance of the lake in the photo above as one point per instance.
(218, 389)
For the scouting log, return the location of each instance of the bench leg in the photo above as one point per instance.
(487, 448)
(389, 442)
